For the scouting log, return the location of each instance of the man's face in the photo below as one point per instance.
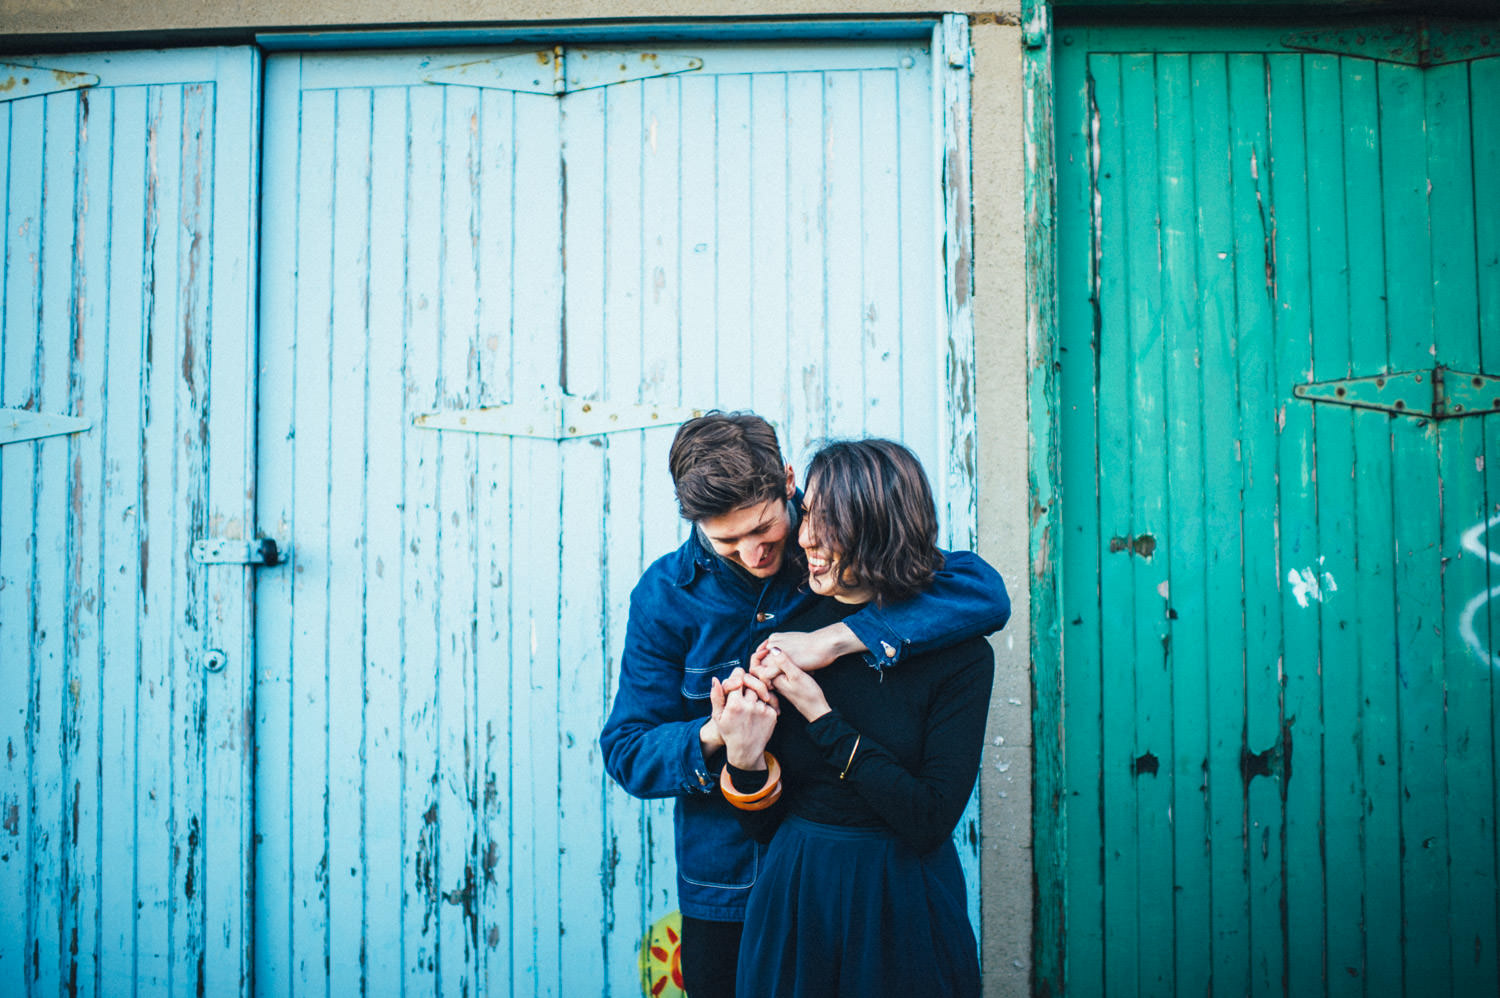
(753, 537)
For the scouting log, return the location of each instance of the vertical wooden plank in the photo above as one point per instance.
(638, 368)
(422, 658)
(957, 500)
(191, 350)
(1327, 289)
(349, 319)
(154, 867)
(311, 649)
(528, 784)
(921, 301)
(698, 124)
(1076, 914)
(90, 351)
(454, 565)
(1223, 479)
(1416, 527)
(1052, 137)
(881, 241)
(1257, 374)
(538, 526)
(14, 623)
(842, 267)
(602, 140)
(19, 475)
(1187, 252)
(1373, 483)
(122, 620)
(52, 676)
(1484, 83)
(1142, 516)
(1467, 683)
(1117, 750)
(733, 280)
(1301, 549)
(224, 873)
(275, 514)
(769, 333)
(387, 876)
(1484, 79)
(808, 239)
(500, 218)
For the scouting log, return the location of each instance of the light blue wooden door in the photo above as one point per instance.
(126, 393)
(486, 305)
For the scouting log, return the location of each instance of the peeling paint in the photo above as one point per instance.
(1143, 545)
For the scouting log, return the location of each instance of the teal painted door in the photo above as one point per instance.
(1278, 718)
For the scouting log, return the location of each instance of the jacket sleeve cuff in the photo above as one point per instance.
(700, 772)
(883, 646)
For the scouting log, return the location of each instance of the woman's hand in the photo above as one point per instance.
(787, 678)
(811, 649)
(744, 720)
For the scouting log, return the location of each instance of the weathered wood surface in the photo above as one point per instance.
(1276, 707)
(124, 781)
(765, 232)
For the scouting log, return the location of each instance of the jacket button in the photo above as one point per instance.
(763, 617)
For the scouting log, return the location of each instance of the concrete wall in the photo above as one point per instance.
(999, 311)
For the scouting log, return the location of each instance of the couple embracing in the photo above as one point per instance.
(806, 675)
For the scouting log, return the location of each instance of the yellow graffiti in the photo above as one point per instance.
(661, 958)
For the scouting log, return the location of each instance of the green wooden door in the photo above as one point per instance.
(1279, 616)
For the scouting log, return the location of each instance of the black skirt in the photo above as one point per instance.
(855, 912)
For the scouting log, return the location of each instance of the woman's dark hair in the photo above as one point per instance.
(872, 505)
(724, 461)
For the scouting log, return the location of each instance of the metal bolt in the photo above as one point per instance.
(214, 660)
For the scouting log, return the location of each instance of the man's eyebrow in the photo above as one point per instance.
(726, 538)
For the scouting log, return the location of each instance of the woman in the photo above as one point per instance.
(867, 771)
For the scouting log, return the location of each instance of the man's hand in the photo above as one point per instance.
(744, 719)
(811, 650)
(800, 689)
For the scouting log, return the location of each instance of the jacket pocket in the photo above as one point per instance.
(697, 682)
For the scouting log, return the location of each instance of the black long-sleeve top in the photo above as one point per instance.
(920, 732)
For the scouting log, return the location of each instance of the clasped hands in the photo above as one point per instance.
(746, 705)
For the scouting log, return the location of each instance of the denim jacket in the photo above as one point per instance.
(693, 618)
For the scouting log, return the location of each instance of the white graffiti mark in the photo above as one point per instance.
(1471, 541)
(1310, 585)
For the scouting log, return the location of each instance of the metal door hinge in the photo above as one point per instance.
(1422, 42)
(261, 552)
(17, 81)
(1440, 393)
(562, 70)
(555, 417)
(17, 425)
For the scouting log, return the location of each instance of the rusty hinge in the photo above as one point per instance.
(1440, 393)
(1422, 42)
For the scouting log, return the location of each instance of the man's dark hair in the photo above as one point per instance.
(870, 502)
(724, 461)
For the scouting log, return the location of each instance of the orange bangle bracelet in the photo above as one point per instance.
(773, 785)
(763, 803)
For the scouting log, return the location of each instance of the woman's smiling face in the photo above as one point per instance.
(823, 560)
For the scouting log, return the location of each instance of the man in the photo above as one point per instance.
(697, 614)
